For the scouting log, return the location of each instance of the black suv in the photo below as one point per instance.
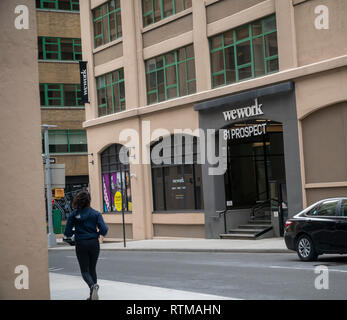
(320, 228)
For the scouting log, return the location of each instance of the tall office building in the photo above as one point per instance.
(59, 53)
(268, 75)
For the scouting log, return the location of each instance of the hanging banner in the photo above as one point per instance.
(84, 82)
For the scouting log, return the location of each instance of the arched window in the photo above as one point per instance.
(115, 180)
(176, 174)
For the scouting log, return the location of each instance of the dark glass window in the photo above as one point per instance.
(243, 53)
(111, 92)
(327, 208)
(344, 208)
(60, 95)
(171, 75)
(177, 183)
(69, 5)
(107, 22)
(115, 179)
(67, 141)
(66, 49)
(156, 10)
(50, 48)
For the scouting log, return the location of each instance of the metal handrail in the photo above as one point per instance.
(224, 213)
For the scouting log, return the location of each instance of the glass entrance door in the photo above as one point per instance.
(252, 162)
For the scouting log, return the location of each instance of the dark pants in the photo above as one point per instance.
(87, 252)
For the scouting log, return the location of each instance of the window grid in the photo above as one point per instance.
(75, 43)
(251, 64)
(74, 4)
(184, 5)
(51, 41)
(68, 133)
(77, 49)
(41, 4)
(167, 87)
(108, 13)
(120, 104)
(47, 89)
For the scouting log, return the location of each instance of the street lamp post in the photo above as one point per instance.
(51, 236)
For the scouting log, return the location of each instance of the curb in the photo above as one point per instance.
(206, 250)
(187, 250)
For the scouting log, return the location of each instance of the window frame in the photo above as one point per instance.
(67, 133)
(162, 14)
(57, 42)
(113, 83)
(341, 207)
(76, 52)
(234, 45)
(56, 2)
(118, 34)
(319, 205)
(163, 68)
(194, 166)
(62, 95)
(120, 167)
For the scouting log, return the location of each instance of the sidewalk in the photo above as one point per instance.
(66, 287)
(268, 245)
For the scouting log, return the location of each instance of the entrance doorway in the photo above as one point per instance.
(255, 157)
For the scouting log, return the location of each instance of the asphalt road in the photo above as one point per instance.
(236, 275)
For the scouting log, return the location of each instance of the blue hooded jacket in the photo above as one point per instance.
(85, 222)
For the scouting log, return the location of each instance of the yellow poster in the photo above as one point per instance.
(118, 201)
(59, 193)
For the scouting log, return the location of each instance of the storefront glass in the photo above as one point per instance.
(115, 181)
(178, 187)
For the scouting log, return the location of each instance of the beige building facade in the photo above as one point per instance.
(185, 65)
(23, 239)
(59, 53)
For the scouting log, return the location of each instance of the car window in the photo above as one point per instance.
(327, 208)
(344, 208)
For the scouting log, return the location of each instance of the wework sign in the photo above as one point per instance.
(245, 132)
(246, 112)
(84, 82)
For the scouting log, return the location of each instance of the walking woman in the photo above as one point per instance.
(88, 225)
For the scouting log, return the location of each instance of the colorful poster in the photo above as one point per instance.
(118, 201)
(113, 188)
(106, 192)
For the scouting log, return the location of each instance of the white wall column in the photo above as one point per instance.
(286, 34)
(201, 47)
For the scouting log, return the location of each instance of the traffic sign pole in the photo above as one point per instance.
(123, 222)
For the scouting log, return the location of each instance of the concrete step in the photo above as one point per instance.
(237, 236)
(245, 231)
(255, 226)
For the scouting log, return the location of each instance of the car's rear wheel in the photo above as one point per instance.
(305, 249)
